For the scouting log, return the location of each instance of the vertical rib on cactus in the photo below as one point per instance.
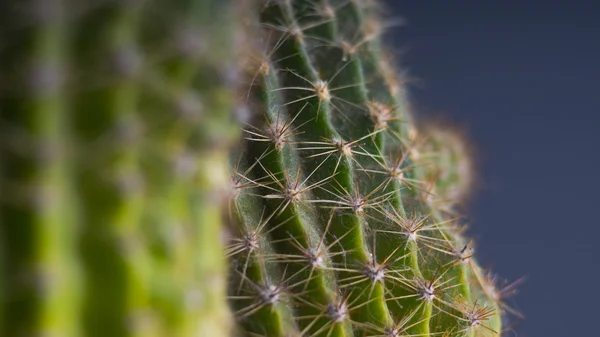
(331, 170)
(116, 122)
(41, 275)
(106, 117)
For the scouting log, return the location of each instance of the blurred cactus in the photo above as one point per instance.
(115, 123)
(120, 153)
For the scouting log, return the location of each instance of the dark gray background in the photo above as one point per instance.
(524, 77)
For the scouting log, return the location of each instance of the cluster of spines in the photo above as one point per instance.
(115, 124)
(336, 233)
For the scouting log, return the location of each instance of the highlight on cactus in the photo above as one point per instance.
(227, 168)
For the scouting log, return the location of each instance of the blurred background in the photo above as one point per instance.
(523, 78)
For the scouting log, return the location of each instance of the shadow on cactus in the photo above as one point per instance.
(344, 215)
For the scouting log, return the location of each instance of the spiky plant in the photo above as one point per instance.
(345, 213)
(116, 121)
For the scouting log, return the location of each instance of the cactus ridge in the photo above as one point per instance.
(339, 225)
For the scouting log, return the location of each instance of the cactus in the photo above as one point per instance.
(344, 214)
(115, 124)
(120, 158)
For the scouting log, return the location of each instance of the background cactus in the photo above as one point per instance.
(117, 124)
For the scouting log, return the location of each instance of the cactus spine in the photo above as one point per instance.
(117, 161)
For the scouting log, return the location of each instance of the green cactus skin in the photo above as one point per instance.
(115, 118)
(116, 134)
(335, 231)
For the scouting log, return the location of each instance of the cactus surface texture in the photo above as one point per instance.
(345, 214)
(171, 168)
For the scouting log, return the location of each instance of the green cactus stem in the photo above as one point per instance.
(116, 119)
(337, 233)
(120, 153)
